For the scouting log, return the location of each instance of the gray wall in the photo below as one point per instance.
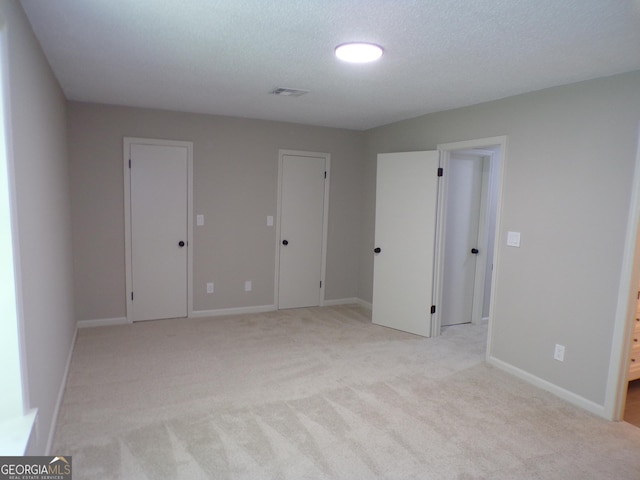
(38, 130)
(235, 187)
(568, 172)
(567, 182)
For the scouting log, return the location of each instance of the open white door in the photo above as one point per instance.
(406, 206)
(461, 249)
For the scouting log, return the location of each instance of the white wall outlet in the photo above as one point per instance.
(199, 220)
(210, 287)
(247, 286)
(269, 220)
(558, 353)
(513, 239)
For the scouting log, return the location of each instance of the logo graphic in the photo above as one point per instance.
(35, 468)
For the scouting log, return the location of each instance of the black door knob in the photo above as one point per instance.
(285, 242)
(475, 251)
(377, 250)
(181, 243)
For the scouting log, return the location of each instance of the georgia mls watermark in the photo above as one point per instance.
(35, 468)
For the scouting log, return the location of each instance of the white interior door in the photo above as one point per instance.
(302, 218)
(406, 201)
(464, 193)
(158, 202)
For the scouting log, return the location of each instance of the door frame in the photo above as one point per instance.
(482, 233)
(496, 181)
(617, 384)
(127, 142)
(325, 220)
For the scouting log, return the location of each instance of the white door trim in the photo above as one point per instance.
(616, 389)
(445, 153)
(127, 142)
(325, 219)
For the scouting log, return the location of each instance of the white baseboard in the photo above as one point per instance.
(232, 311)
(102, 322)
(348, 301)
(340, 301)
(63, 385)
(364, 303)
(105, 322)
(566, 395)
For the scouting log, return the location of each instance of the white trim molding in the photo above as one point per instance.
(63, 386)
(566, 395)
(102, 322)
(340, 301)
(498, 162)
(364, 303)
(232, 311)
(617, 383)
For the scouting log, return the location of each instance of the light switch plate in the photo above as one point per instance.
(270, 221)
(513, 239)
(199, 220)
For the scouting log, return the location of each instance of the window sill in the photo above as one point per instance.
(15, 434)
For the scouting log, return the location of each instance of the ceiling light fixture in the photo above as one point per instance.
(359, 52)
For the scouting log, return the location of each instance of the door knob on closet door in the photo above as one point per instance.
(475, 251)
(285, 242)
(377, 250)
(181, 243)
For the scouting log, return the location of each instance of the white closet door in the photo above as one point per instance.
(406, 200)
(159, 199)
(301, 230)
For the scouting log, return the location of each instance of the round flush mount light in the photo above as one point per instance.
(358, 52)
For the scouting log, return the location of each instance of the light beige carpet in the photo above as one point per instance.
(318, 393)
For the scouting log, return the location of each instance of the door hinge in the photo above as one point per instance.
(440, 171)
(129, 163)
(433, 309)
(131, 295)
(325, 174)
(320, 283)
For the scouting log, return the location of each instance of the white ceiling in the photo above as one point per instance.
(225, 56)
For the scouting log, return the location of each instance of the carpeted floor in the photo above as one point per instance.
(318, 393)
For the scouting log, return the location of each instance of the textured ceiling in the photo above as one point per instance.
(225, 56)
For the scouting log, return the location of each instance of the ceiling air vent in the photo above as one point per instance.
(288, 92)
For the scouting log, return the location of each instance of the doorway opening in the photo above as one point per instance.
(469, 201)
(620, 387)
(631, 412)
